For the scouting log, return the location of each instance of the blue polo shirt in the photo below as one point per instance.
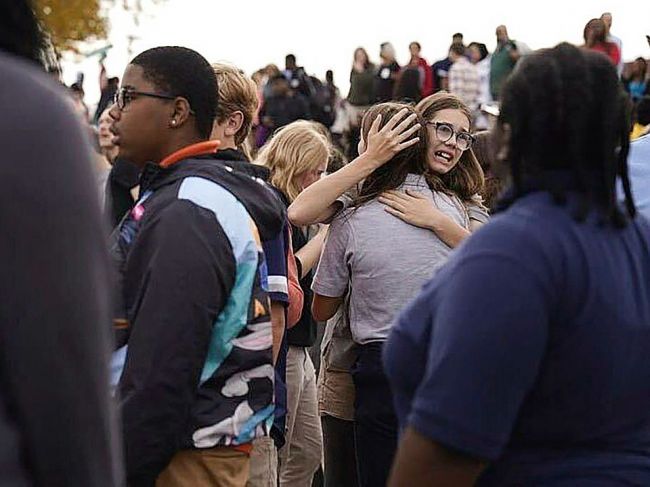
(530, 349)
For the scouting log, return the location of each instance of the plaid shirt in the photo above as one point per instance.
(464, 82)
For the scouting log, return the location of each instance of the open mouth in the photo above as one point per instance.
(443, 156)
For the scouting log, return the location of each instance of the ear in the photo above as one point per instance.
(233, 123)
(180, 113)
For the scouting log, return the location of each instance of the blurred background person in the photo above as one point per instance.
(360, 97)
(440, 73)
(595, 37)
(426, 77)
(607, 19)
(297, 76)
(387, 73)
(503, 60)
(480, 57)
(635, 80)
(407, 88)
(463, 78)
(285, 105)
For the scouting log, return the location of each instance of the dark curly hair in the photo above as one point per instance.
(183, 72)
(567, 112)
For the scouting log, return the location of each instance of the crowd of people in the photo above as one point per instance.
(480, 279)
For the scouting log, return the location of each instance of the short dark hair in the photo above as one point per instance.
(183, 72)
(568, 112)
(416, 44)
(457, 48)
(20, 31)
(290, 58)
(457, 34)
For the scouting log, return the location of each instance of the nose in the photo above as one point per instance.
(114, 112)
(452, 141)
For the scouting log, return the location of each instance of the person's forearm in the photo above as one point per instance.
(421, 461)
(447, 230)
(316, 203)
(277, 323)
(310, 253)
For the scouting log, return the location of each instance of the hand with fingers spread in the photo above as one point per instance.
(395, 136)
(412, 207)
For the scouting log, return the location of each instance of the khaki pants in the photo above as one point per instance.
(210, 467)
(264, 464)
(302, 454)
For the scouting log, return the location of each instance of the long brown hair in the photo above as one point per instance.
(411, 160)
(466, 179)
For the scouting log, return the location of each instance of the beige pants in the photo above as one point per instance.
(210, 467)
(264, 464)
(302, 454)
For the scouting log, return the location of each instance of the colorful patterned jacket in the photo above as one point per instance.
(193, 332)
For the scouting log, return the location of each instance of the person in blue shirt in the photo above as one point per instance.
(524, 361)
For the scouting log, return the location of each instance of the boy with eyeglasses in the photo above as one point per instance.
(193, 329)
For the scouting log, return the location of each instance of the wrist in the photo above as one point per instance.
(436, 221)
(369, 163)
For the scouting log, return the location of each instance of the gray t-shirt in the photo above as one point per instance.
(383, 259)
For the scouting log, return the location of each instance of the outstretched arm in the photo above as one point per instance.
(317, 203)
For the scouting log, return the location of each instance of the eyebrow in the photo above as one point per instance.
(462, 129)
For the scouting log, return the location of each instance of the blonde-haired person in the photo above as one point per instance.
(297, 156)
(238, 103)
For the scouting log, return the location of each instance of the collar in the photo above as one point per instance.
(231, 155)
(207, 147)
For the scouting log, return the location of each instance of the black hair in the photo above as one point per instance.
(643, 111)
(416, 44)
(457, 34)
(183, 72)
(20, 31)
(290, 58)
(569, 115)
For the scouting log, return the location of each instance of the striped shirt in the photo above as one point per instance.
(464, 82)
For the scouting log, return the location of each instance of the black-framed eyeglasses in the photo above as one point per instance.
(445, 131)
(125, 95)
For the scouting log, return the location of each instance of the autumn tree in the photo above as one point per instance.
(70, 22)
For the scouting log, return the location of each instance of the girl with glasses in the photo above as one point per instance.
(452, 172)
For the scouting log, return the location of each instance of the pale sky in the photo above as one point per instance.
(323, 35)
